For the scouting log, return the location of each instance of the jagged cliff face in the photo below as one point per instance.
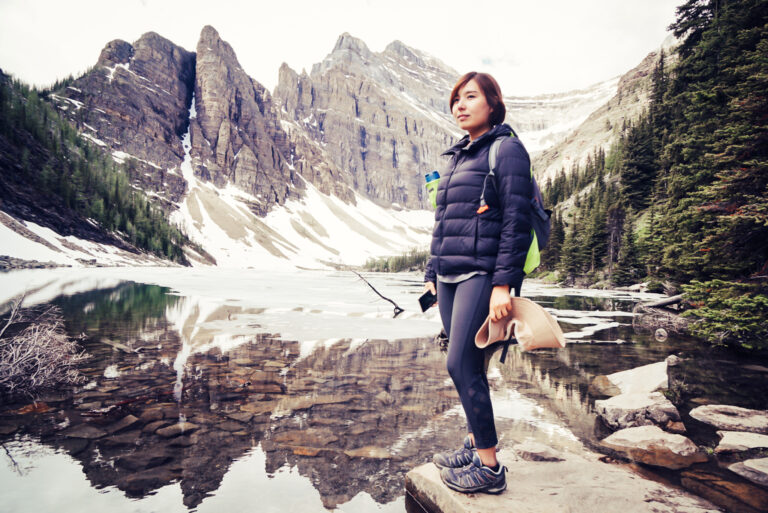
(236, 137)
(380, 118)
(367, 122)
(134, 103)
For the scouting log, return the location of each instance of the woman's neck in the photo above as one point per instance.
(477, 133)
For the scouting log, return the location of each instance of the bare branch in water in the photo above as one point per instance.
(398, 310)
(39, 355)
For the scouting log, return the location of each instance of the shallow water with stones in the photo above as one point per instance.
(239, 389)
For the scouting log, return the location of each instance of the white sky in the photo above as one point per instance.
(531, 46)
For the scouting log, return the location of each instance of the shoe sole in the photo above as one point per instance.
(494, 491)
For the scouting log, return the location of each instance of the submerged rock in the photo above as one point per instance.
(127, 439)
(122, 424)
(84, 431)
(651, 445)
(312, 437)
(177, 429)
(628, 410)
(602, 386)
(738, 441)
(369, 451)
(732, 418)
(756, 470)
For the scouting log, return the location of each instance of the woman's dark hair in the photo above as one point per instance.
(490, 89)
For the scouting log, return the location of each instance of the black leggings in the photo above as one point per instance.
(463, 308)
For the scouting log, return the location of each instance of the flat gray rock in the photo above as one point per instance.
(653, 446)
(647, 378)
(756, 470)
(641, 409)
(644, 379)
(732, 418)
(576, 484)
(739, 441)
(535, 451)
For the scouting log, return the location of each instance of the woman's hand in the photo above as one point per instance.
(501, 302)
(430, 286)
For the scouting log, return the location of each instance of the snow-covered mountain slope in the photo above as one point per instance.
(543, 121)
(316, 231)
(30, 241)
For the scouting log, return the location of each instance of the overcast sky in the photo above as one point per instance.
(531, 47)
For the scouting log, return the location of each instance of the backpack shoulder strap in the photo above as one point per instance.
(493, 153)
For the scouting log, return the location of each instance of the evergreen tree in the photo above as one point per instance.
(714, 214)
(627, 269)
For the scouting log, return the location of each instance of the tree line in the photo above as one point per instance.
(682, 196)
(85, 177)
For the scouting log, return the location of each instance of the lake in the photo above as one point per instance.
(223, 389)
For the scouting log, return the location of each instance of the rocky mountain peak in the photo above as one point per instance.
(352, 44)
(398, 48)
(115, 52)
(236, 137)
(211, 42)
(134, 104)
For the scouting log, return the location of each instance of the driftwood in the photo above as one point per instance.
(666, 301)
(398, 310)
(40, 355)
(652, 316)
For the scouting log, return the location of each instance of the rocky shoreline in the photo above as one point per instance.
(711, 458)
(8, 263)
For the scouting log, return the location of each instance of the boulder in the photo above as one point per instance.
(642, 409)
(651, 445)
(756, 470)
(739, 441)
(732, 418)
(737, 496)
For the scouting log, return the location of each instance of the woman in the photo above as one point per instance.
(477, 257)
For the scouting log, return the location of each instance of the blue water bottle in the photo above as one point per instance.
(433, 179)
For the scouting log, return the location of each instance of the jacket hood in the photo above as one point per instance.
(490, 135)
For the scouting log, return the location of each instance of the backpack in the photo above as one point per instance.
(540, 220)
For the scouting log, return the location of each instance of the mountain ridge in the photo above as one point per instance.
(361, 126)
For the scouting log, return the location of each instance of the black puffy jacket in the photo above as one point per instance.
(497, 240)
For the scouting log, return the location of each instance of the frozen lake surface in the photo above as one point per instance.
(302, 389)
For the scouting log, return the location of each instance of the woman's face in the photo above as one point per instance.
(471, 110)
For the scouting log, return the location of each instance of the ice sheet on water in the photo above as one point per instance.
(315, 308)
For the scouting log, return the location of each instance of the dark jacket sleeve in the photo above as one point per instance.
(430, 274)
(515, 187)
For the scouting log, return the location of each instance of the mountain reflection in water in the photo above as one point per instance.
(208, 394)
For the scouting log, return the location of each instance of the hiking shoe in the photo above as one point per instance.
(455, 459)
(475, 477)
